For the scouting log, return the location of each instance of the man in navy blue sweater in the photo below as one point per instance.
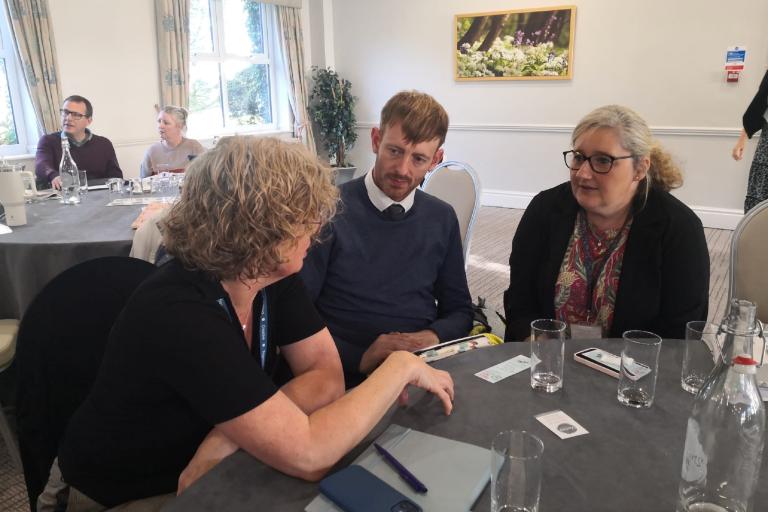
(389, 271)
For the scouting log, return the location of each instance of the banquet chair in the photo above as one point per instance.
(457, 184)
(148, 240)
(60, 345)
(748, 275)
(8, 330)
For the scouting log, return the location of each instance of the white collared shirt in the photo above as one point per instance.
(381, 200)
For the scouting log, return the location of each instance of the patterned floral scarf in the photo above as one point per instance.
(600, 252)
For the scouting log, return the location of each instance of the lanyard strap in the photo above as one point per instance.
(263, 325)
(592, 269)
(263, 329)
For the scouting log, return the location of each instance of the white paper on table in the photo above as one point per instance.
(562, 425)
(505, 369)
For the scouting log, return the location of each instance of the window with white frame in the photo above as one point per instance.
(16, 116)
(233, 83)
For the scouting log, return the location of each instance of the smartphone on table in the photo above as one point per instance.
(600, 360)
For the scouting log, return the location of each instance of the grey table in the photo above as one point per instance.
(55, 238)
(629, 461)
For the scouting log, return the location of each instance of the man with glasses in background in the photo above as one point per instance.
(92, 153)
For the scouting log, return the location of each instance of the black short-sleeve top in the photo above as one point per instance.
(176, 364)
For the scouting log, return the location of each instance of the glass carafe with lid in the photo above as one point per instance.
(726, 429)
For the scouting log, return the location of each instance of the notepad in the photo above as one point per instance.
(454, 472)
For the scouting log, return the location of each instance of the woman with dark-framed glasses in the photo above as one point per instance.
(611, 249)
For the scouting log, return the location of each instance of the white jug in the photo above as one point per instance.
(12, 198)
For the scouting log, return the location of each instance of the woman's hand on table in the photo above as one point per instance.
(437, 382)
(211, 451)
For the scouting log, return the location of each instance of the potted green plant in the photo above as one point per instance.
(331, 106)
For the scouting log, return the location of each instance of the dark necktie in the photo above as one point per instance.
(394, 211)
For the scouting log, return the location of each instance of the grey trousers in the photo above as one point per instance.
(59, 496)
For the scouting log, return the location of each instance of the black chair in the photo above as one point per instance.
(60, 345)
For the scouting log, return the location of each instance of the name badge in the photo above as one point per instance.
(586, 332)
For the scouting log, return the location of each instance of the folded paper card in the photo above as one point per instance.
(454, 472)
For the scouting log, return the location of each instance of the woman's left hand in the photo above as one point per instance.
(194, 470)
(211, 451)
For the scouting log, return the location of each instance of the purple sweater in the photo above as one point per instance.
(97, 156)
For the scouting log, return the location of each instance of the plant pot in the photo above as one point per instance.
(344, 174)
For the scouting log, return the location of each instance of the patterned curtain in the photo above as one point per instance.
(285, 3)
(37, 52)
(291, 40)
(172, 20)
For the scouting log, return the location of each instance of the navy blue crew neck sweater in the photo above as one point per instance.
(371, 275)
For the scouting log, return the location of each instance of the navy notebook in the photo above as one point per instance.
(454, 472)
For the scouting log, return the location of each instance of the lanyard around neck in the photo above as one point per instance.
(263, 324)
(593, 270)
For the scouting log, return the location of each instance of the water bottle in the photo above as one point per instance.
(725, 435)
(69, 175)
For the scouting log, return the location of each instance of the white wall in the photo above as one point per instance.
(107, 53)
(662, 58)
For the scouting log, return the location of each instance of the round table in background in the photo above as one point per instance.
(57, 237)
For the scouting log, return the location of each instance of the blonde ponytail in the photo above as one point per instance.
(664, 174)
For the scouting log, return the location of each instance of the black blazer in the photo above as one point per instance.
(664, 279)
(753, 119)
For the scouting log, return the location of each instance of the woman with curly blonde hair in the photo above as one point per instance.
(612, 249)
(189, 374)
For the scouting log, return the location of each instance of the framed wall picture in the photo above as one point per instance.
(525, 44)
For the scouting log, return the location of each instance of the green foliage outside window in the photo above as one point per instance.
(248, 91)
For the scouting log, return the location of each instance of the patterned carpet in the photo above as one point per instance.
(488, 275)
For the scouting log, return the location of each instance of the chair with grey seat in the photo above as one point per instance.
(8, 331)
(457, 184)
(748, 269)
(148, 240)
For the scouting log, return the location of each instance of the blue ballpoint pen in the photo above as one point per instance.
(406, 475)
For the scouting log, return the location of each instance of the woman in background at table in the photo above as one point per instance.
(174, 151)
(756, 119)
(612, 249)
(189, 373)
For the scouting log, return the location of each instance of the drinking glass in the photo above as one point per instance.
(30, 187)
(126, 187)
(83, 182)
(699, 352)
(516, 471)
(547, 351)
(639, 368)
(115, 185)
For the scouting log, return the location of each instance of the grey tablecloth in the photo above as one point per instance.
(630, 460)
(55, 238)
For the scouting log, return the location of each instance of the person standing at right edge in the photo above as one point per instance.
(756, 119)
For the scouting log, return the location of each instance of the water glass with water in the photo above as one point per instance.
(516, 460)
(547, 352)
(639, 368)
(30, 187)
(126, 187)
(83, 182)
(115, 185)
(699, 354)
